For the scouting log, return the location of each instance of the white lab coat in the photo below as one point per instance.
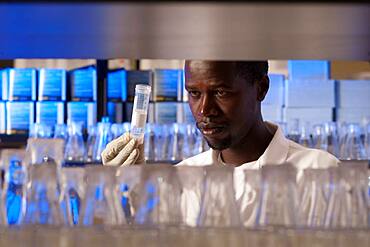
(280, 150)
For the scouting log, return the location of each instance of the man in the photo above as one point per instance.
(225, 100)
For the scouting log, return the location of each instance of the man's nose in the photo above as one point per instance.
(208, 107)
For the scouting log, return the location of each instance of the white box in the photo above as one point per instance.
(19, 116)
(354, 93)
(50, 113)
(82, 112)
(2, 118)
(310, 93)
(353, 114)
(309, 69)
(311, 115)
(275, 94)
(272, 113)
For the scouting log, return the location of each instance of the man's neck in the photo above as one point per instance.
(250, 148)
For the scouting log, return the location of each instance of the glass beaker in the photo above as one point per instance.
(90, 143)
(75, 146)
(353, 148)
(103, 137)
(42, 151)
(332, 139)
(305, 136)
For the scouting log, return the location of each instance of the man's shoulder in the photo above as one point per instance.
(202, 159)
(304, 157)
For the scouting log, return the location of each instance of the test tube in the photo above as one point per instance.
(140, 111)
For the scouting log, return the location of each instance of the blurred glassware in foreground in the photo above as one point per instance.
(103, 137)
(352, 147)
(75, 146)
(45, 151)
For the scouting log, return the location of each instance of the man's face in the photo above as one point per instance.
(224, 107)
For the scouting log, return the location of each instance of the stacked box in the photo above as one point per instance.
(4, 84)
(21, 84)
(2, 118)
(115, 112)
(167, 112)
(135, 77)
(19, 116)
(50, 113)
(308, 69)
(82, 112)
(117, 85)
(167, 85)
(52, 85)
(83, 84)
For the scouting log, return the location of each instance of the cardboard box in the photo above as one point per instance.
(52, 85)
(353, 93)
(167, 85)
(308, 69)
(83, 84)
(310, 93)
(117, 85)
(50, 113)
(82, 112)
(21, 84)
(19, 116)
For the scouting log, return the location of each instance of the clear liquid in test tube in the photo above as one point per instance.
(140, 111)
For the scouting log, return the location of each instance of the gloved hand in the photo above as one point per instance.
(124, 150)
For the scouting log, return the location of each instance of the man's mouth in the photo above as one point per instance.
(211, 129)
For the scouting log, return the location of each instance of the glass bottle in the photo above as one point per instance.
(75, 146)
(353, 148)
(103, 137)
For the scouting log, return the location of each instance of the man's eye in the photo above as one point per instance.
(221, 93)
(194, 93)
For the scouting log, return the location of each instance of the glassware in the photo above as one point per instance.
(128, 179)
(304, 137)
(353, 148)
(159, 196)
(99, 206)
(103, 137)
(314, 191)
(117, 130)
(278, 204)
(90, 144)
(40, 130)
(176, 142)
(42, 197)
(367, 140)
(318, 137)
(13, 200)
(61, 132)
(73, 188)
(294, 132)
(248, 202)
(75, 147)
(190, 140)
(332, 139)
(41, 151)
(349, 200)
(192, 183)
(218, 206)
(150, 144)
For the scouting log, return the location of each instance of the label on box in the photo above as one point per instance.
(81, 112)
(21, 84)
(52, 84)
(19, 117)
(309, 69)
(135, 77)
(117, 85)
(50, 113)
(167, 85)
(165, 112)
(83, 84)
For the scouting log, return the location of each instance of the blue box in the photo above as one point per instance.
(83, 84)
(167, 112)
(184, 114)
(81, 112)
(308, 69)
(117, 85)
(21, 84)
(310, 93)
(52, 85)
(311, 115)
(128, 112)
(115, 112)
(2, 118)
(354, 93)
(50, 113)
(19, 116)
(167, 85)
(275, 94)
(4, 84)
(135, 77)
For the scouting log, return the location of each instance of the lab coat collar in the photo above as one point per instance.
(275, 153)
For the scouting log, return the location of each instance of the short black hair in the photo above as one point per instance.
(251, 71)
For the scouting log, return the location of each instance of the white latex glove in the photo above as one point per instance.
(122, 151)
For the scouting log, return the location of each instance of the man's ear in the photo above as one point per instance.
(263, 87)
